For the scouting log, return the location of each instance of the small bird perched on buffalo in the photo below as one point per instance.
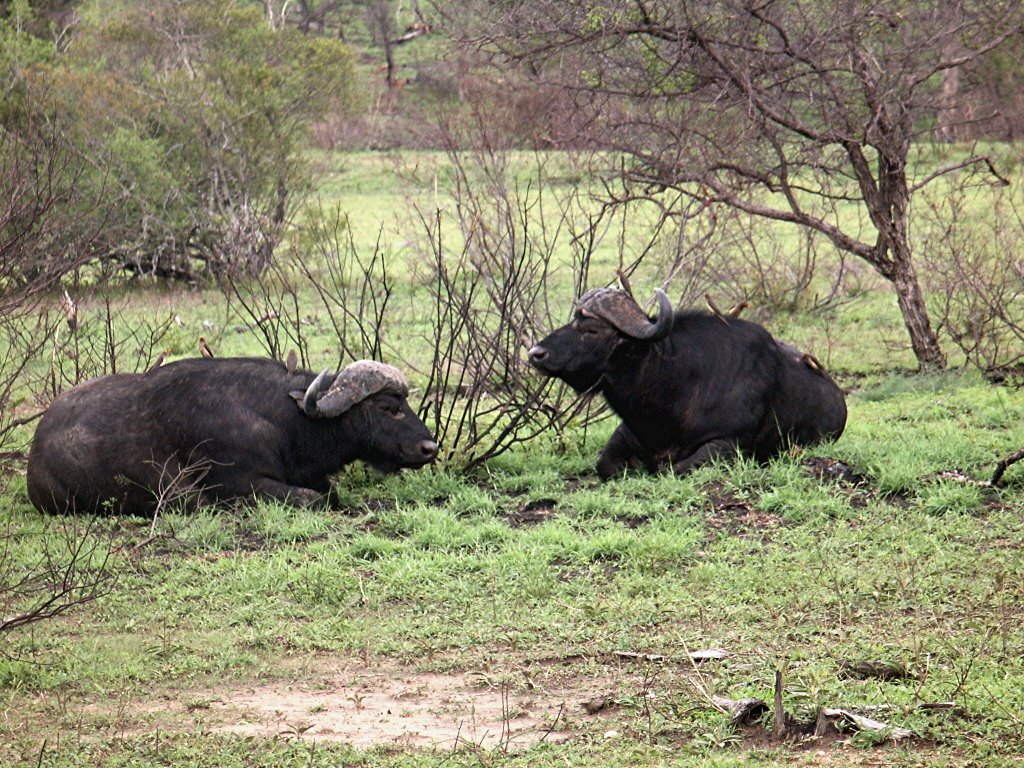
(204, 348)
(623, 280)
(160, 359)
(735, 311)
(292, 362)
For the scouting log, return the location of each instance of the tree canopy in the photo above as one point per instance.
(794, 111)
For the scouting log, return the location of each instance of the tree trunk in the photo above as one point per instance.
(888, 205)
(949, 129)
(912, 305)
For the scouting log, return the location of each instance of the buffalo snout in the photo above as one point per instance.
(537, 354)
(428, 450)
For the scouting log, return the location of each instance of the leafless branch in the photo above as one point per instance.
(73, 568)
(1003, 181)
(1003, 465)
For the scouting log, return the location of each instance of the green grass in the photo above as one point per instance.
(434, 571)
(530, 563)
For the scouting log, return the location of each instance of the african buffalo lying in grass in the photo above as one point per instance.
(214, 430)
(689, 386)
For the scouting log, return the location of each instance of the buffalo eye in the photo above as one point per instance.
(393, 409)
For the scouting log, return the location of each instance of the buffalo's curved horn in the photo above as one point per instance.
(666, 316)
(307, 400)
(358, 381)
(622, 312)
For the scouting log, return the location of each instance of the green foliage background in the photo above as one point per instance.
(190, 118)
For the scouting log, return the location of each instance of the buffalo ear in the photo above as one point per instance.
(307, 400)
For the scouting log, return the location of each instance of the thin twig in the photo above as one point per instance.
(1001, 467)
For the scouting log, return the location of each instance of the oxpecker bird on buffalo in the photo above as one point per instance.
(212, 430)
(689, 386)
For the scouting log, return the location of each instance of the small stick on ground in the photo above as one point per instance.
(997, 476)
(779, 729)
(145, 542)
(554, 722)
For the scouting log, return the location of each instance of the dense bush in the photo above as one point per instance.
(190, 118)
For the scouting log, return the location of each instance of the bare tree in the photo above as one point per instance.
(315, 16)
(801, 111)
(381, 24)
(949, 97)
(974, 269)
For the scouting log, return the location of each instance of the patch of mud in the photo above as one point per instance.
(633, 521)
(738, 516)
(531, 513)
(855, 485)
(834, 470)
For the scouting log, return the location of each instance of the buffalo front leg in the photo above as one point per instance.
(623, 451)
(296, 495)
(704, 454)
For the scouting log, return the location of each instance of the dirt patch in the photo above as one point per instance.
(553, 700)
(368, 707)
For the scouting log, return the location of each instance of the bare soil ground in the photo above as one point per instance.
(373, 706)
(555, 700)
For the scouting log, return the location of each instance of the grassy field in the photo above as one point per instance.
(526, 614)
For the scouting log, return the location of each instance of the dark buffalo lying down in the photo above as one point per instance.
(213, 430)
(689, 386)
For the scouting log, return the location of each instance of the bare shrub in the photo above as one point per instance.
(47, 572)
(488, 255)
(22, 340)
(782, 270)
(972, 249)
(481, 397)
(491, 255)
(105, 340)
(48, 227)
(47, 224)
(354, 289)
(180, 485)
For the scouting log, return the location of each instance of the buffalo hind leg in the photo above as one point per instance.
(704, 454)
